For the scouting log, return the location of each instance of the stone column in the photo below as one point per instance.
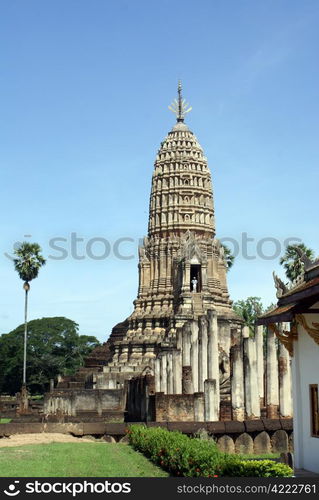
(157, 375)
(199, 407)
(156, 267)
(98, 403)
(259, 336)
(285, 400)
(211, 401)
(272, 392)
(213, 352)
(168, 267)
(187, 277)
(224, 336)
(163, 373)
(237, 382)
(202, 353)
(177, 372)
(162, 267)
(170, 389)
(194, 354)
(204, 278)
(179, 338)
(187, 383)
(251, 379)
(245, 332)
(24, 400)
(186, 343)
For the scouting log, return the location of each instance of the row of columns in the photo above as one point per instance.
(194, 368)
(260, 371)
(260, 375)
(168, 372)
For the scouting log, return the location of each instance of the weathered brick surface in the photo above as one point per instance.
(234, 427)
(95, 428)
(185, 427)
(225, 410)
(286, 423)
(254, 425)
(274, 438)
(174, 408)
(272, 411)
(271, 424)
(116, 428)
(27, 428)
(216, 427)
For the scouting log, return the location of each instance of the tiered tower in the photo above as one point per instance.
(182, 269)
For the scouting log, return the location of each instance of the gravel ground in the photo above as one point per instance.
(41, 438)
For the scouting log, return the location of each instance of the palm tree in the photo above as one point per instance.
(292, 260)
(27, 264)
(228, 256)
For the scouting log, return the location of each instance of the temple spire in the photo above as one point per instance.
(180, 117)
(179, 106)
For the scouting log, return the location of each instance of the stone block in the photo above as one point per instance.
(271, 424)
(262, 443)
(234, 427)
(124, 439)
(215, 427)
(185, 427)
(115, 429)
(286, 424)
(94, 428)
(272, 411)
(244, 444)
(226, 444)
(279, 442)
(254, 425)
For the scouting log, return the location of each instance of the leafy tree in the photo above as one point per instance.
(249, 310)
(54, 347)
(27, 263)
(271, 306)
(291, 260)
(228, 256)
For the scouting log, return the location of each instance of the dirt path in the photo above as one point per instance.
(41, 438)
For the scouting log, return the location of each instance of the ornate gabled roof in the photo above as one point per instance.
(303, 292)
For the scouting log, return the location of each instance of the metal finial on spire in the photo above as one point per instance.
(180, 107)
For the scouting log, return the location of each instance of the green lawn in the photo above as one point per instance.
(77, 460)
(5, 420)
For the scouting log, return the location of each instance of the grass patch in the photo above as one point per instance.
(5, 420)
(76, 460)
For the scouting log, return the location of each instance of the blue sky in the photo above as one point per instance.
(84, 90)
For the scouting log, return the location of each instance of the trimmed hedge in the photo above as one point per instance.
(257, 468)
(177, 453)
(186, 457)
